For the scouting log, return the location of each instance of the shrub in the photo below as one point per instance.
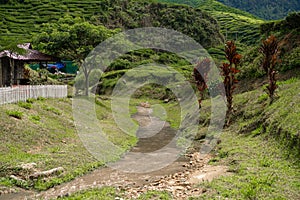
(30, 100)
(35, 118)
(200, 75)
(270, 51)
(25, 105)
(229, 71)
(52, 109)
(41, 98)
(15, 113)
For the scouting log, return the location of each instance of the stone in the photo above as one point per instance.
(47, 173)
(28, 166)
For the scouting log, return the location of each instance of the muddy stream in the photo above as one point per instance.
(179, 178)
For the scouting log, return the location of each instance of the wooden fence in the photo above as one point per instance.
(22, 93)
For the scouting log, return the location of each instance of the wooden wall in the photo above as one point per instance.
(5, 71)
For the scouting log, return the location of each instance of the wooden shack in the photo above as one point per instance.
(12, 64)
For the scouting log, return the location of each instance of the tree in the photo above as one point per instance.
(228, 71)
(72, 38)
(270, 52)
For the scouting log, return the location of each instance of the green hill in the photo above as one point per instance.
(266, 9)
(19, 20)
(287, 32)
(234, 23)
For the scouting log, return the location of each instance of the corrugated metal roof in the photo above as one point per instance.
(30, 55)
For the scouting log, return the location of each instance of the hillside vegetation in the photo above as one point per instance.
(265, 9)
(234, 23)
(260, 148)
(287, 32)
(260, 144)
(20, 20)
(43, 132)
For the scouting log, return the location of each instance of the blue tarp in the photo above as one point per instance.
(63, 66)
(55, 66)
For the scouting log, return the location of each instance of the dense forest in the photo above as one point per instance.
(265, 9)
(22, 19)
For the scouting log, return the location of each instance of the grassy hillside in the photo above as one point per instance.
(265, 9)
(20, 20)
(261, 149)
(42, 131)
(287, 32)
(234, 23)
(142, 57)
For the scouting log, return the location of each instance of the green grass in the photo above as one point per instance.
(169, 112)
(261, 169)
(45, 134)
(106, 193)
(15, 113)
(262, 165)
(261, 148)
(25, 105)
(263, 161)
(34, 118)
(110, 193)
(155, 195)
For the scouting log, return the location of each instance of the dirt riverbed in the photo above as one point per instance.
(180, 178)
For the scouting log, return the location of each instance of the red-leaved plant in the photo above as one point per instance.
(270, 51)
(204, 67)
(228, 71)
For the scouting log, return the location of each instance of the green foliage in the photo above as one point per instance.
(105, 193)
(30, 100)
(262, 98)
(137, 58)
(266, 9)
(40, 77)
(291, 60)
(20, 20)
(155, 195)
(70, 38)
(263, 158)
(52, 109)
(12, 47)
(50, 140)
(234, 23)
(73, 39)
(25, 105)
(35, 118)
(289, 23)
(288, 38)
(15, 113)
(41, 98)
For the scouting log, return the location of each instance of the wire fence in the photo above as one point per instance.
(22, 93)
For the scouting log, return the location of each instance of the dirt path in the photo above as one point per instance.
(178, 178)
